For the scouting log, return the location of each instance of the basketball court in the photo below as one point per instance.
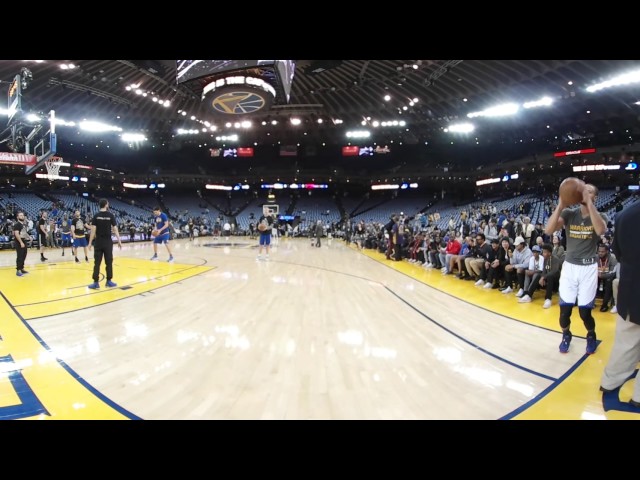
(314, 333)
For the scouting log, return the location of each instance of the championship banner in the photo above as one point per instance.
(9, 158)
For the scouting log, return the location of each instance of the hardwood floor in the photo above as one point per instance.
(313, 333)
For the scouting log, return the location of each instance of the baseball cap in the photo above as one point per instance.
(518, 241)
(536, 248)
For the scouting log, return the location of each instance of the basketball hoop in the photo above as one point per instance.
(53, 167)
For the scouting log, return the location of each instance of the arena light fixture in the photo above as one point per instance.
(623, 79)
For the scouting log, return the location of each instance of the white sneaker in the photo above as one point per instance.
(428, 265)
(614, 309)
(479, 283)
(443, 270)
(547, 303)
(488, 285)
(525, 299)
(520, 293)
(259, 257)
(507, 290)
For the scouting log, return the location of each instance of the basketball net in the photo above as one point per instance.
(53, 167)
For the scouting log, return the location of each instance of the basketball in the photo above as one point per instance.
(155, 233)
(571, 190)
(262, 226)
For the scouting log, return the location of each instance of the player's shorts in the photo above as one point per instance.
(578, 282)
(80, 242)
(164, 238)
(265, 238)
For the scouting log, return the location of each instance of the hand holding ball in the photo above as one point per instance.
(155, 233)
(571, 190)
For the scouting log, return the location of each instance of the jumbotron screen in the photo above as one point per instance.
(187, 70)
(191, 69)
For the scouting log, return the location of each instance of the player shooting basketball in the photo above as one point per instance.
(579, 276)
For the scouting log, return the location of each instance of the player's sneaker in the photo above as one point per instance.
(19, 273)
(170, 259)
(155, 257)
(94, 286)
(592, 343)
(111, 284)
(564, 344)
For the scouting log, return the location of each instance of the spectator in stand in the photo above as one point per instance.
(495, 268)
(452, 249)
(518, 263)
(606, 274)
(558, 249)
(548, 277)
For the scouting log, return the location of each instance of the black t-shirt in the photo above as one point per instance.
(18, 226)
(42, 223)
(102, 222)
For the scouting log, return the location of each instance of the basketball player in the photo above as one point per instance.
(579, 276)
(162, 226)
(265, 235)
(22, 240)
(103, 224)
(191, 229)
(79, 236)
(625, 353)
(65, 235)
(42, 235)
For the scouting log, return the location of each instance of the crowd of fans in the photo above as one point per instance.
(495, 249)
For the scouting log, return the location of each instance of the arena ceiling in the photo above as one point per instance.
(428, 95)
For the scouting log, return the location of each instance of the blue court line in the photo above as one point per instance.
(611, 400)
(469, 342)
(545, 392)
(77, 377)
(462, 299)
(483, 350)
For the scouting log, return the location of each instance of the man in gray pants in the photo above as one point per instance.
(625, 354)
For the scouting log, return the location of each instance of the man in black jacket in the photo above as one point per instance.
(625, 354)
(606, 274)
(103, 225)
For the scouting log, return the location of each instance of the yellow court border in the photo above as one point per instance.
(34, 383)
(57, 288)
(576, 395)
